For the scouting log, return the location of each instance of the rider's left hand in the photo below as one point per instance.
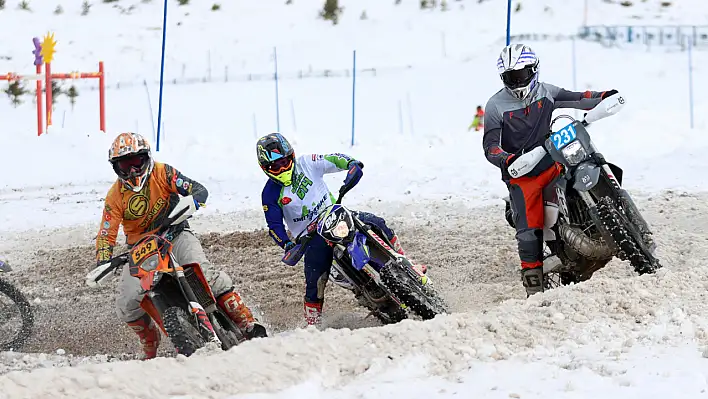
(354, 174)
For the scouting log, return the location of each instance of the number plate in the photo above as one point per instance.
(142, 251)
(563, 137)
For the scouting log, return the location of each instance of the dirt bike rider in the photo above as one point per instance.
(143, 195)
(296, 192)
(517, 119)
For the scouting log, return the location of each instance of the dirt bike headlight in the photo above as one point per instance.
(150, 263)
(341, 230)
(574, 153)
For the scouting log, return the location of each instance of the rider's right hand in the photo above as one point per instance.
(288, 246)
(508, 161)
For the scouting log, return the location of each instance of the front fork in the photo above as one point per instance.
(195, 308)
(630, 208)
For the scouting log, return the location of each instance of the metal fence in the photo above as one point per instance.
(650, 35)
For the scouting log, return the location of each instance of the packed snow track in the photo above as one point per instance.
(471, 256)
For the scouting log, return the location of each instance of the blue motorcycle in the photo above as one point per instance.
(383, 281)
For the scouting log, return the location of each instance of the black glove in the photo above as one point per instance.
(606, 94)
(288, 246)
(506, 163)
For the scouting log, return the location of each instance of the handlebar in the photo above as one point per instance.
(101, 271)
(165, 227)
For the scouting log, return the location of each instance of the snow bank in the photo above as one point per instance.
(599, 319)
(639, 372)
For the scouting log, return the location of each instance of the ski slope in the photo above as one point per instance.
(615, 336)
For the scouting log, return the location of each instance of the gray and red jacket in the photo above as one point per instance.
(514, 126)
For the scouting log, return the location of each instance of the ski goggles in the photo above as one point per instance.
(517, 78)
(280, 165)
(133, 165)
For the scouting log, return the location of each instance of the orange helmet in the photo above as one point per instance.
(132, 161)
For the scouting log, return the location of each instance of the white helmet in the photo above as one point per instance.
(518, 68)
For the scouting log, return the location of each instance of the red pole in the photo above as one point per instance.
(40, 126)
(102, 96)
(48, 90)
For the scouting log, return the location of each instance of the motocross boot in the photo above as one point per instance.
(399, 249)
(313, 312)
(532, 278)
(241, 315)
(149, 335)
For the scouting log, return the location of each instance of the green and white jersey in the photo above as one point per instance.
(301, 202)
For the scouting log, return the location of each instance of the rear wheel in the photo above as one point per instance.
(16, 318)
(182, 331)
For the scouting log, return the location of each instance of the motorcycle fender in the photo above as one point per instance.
(149, 280)
(359, 251)
(586, 176)
(149, 307)
(617, 171)
(200, 275)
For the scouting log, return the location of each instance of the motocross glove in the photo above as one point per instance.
(288, 246)
(507, 161)
(354, 174)
(608, 93)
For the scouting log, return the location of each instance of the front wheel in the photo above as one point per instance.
(16, 317)
(182, 331)
(627, 238)
(421, 299)
(229, 334)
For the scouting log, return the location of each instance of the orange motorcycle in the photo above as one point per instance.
(178, 298)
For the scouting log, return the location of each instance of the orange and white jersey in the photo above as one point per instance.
(142, 213)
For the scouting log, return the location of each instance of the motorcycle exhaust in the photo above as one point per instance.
(584, 245)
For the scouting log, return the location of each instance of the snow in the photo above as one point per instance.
(629, 337)
(601, 337)
(586, 376)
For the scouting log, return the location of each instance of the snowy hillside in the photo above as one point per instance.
(614, 336)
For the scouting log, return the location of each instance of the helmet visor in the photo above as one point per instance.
(518, 78)
(131, 166)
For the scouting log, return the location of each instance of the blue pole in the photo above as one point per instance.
(162, 75)
(690, 79)
(353, 95)
(508, 23)
(277, 100)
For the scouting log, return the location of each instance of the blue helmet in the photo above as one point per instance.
(276, 158)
